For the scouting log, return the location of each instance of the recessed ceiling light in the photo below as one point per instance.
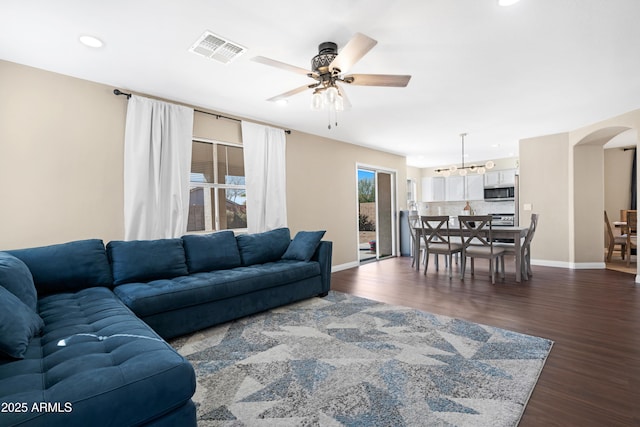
(282, 102)
(91, 41)
(507, 2)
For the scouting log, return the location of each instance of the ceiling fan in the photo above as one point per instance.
(328, 68)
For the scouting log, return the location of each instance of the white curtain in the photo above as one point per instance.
(157, 164)
(265, 176)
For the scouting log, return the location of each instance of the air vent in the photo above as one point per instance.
(215, 47)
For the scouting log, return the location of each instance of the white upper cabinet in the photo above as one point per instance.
(454, 188)
(505, 177)
(433, 189)
(475, 187)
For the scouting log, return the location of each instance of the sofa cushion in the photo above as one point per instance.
(259, 248)
(129, 377)
(18, 324)
(17, 279)
(145, 260)
(209, 252)
(67, 266)
(146, 299)
(303, 245)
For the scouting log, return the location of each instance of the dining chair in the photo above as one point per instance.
(525, 248)
(414, 221)
(614, 240)
(436, 236)
(478, 243)
(632, 233)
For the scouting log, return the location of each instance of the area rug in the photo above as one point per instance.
(349, 361)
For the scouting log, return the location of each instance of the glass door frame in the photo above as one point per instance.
(394, 208)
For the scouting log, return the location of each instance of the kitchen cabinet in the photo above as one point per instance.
(502, 178)
(469, 187)
(433, 189)
(475, 187)
(453, 188)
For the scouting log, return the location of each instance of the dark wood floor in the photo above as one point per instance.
(592, 376)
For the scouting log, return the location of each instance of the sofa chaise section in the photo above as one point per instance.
(94, 362)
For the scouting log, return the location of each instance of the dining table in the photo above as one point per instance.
(498, 232)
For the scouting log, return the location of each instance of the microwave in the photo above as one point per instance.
(496, 194)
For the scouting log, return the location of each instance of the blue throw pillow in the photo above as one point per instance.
(264, 247)
(146, 260)
(17, 279)
(67, 267)
(18, 324)
(304, 245)
(209, 252)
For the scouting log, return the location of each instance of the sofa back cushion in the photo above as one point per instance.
(18, 324)
(67, 267)
(264, 247)
(17, 279)
(146, 260)
(209, 252)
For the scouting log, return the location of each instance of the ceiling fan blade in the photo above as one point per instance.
(392, 80)
(281, 65)
(346, 103)
(352, 52)
(289, 93)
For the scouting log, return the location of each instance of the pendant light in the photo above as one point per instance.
(463, 170)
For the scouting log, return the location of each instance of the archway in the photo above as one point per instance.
(588, 194)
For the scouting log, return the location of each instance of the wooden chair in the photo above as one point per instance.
(525, 248)
(478, 243)
(632, 233)
(414, 221)
(614, 240)
(435, 233)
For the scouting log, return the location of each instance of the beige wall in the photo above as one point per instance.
(617, 181)
(588, 198)
(322, 188)
(61, 165)
(544, 184)
(562, 176)
(61, 156)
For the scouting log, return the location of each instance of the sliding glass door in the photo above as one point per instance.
(376, 213)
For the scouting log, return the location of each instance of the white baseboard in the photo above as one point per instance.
(570, 265)
(547, 263)
(346, 266)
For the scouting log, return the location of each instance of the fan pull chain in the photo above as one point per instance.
(329, 110)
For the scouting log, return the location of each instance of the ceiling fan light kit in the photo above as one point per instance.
(327, 69)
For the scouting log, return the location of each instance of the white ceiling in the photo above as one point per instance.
(499, 74)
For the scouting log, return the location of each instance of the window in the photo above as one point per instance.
(218, 196)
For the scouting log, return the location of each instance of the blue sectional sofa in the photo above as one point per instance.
(82, 327)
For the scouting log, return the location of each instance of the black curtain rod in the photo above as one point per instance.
(217, 116)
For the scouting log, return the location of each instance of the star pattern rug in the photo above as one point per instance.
(343, 360)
